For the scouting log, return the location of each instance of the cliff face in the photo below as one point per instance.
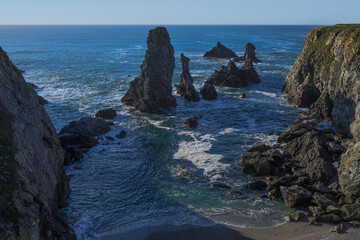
(33, 184)
(330, 65)
(326, 78)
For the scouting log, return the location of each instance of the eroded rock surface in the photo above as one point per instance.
(249, 54)
(186, 88)
(33, 184)
(152, 90)
(220, 51)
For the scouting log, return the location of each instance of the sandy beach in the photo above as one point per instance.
(291, 230)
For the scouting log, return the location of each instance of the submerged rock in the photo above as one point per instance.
(208, 92)
(33, 184)
(152, 90)
(107, 113)
(220, 51)
(191, 122)
(186, 88)
(232, 76)
(181, 172)
(257, 185)
(122, 134)
(249, 54)
(219, 185)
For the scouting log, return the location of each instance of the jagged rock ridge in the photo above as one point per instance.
(33, 184)
(220, 51)
(152, 90)
(186, 88)
(232, 76)
(249, 54)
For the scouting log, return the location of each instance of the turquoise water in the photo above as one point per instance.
(129, 183)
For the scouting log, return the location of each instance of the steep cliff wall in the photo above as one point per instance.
(329, 66)
(33, 184)
(326, 78)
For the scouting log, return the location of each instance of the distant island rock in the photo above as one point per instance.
(249, 54)
(220, 51)
(33, 183)
(232, 76)
(186, 88)
(152, 90)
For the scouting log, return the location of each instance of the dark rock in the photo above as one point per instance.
(232, 76)
(181, 172)
(249, 54)
(321, 187)
(298, 128)
(107, 113)
(311, 154)
(220, 51)
(219, 185)
(257, 185)
(72, 154)
(122, 134)
(191, 122)
(335, 148)
(33, 183)
(299, 215)
(243, 95)
(338, 228)
(81, 141)
(186, 88)
(351, 212)
(32, 85)
(295, 196)
(152, 90)
(109, 138)
(281, 181)
(259, 148)
(322, 107)
(316, 211)
(234, 194)
(208, 92)
(323, 200)
(355, 223)
(42, 100)
(334, 210)
(329, 218)
(87, 126)
(256, 162)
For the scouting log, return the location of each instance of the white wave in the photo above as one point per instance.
(196, 152)
(228, 130)
(266, 93)
(157, 124)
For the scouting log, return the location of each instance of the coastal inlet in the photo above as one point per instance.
(161, 172)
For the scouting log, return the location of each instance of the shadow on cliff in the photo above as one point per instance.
(343, 114)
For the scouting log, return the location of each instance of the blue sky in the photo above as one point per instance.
(319, 12)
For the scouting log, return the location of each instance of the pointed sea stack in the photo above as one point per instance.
(220, 51)
(33, 183)
(249, 54)
(186, 88)
(232, 76)
(152, 89)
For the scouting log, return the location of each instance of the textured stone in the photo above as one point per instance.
(186, 88)
(152, 90)
(295, 196)
(208, 92)
(220, 51)
(249, 54)
(33, 184)
(107, 113)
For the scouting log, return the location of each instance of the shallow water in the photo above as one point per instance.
(129, 183)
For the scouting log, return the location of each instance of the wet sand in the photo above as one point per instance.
(287, 231)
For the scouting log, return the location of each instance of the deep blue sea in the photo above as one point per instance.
(129, 183)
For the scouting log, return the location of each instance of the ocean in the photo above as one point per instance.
(131, 183)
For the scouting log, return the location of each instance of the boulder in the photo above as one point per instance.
(243, 95)
(220, 186)
(208, 92)
(249, 54)
(300, 215)
(152, 90)
(181, 172)
(257, 185)
(33, 183)
(42, 100)
(232, 76)
(295, 196)
(329, 218)
(322, 107)
(220, 51)
(186, 88)
(122, 134)
(191, 122)
(351, 212)
(338, 228)
(107, 113)
(298, 128)
(256, 162)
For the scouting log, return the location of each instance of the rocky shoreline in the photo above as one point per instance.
(313, 169)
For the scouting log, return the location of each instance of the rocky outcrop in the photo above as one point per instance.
(329, 65)
(186, 88)
(208, 92)
(325, 77)
(107, 113)
(220, 51)
(152, 90)
(79, 135)
(249, 54)
(33, 184)
(191, 122)
(232, 76)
